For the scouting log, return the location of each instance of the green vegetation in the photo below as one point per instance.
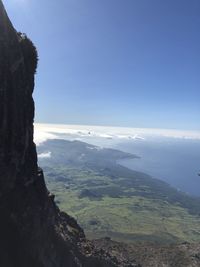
(110, 200)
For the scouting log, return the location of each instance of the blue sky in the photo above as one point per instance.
(132, 63)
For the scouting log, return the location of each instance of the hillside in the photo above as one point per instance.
(108, 199)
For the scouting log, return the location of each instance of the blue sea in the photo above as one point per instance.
(175, 161)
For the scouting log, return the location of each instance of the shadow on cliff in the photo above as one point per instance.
(33, 232)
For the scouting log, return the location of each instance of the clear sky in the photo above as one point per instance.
(129, 63)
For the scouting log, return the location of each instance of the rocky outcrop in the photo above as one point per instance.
(154, 255)
(33, 232)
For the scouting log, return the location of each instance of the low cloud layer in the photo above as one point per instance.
(44, 132)
(44, 155)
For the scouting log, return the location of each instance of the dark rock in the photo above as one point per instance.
(33, 232)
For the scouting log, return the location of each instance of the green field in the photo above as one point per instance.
(110, 200)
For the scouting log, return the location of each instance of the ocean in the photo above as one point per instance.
(175, 161)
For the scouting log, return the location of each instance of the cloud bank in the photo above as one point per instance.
(44, 132)
(44, 155)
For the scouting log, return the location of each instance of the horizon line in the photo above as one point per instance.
(116, 126)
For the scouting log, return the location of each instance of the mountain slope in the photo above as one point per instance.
(108, 199)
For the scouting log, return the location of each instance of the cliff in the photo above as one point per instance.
(33, 232)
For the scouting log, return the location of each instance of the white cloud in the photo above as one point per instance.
(45, 132)
(41, 135)
(44, 155)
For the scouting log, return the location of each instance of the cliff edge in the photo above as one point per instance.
(33, 232)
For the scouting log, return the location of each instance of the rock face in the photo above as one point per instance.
(31, 226)
(33, 232)
(154, 255)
